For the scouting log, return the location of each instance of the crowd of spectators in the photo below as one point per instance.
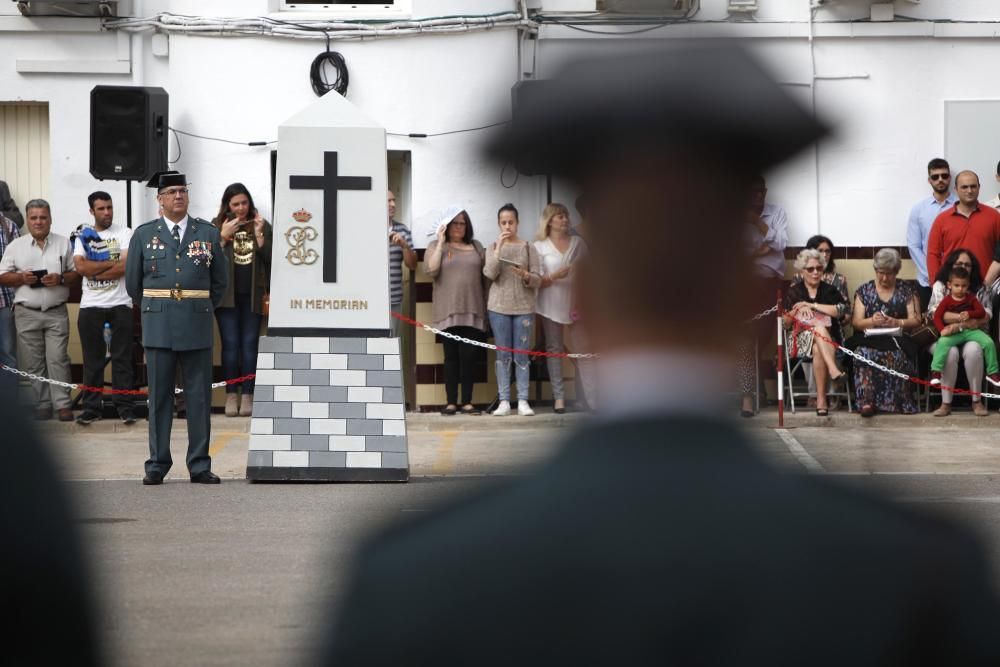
(939, 322)
(478, 292)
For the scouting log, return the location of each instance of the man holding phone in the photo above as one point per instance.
(40, 268)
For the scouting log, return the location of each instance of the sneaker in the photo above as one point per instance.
(502, 410)
(994, 379)
(936, 378)
(86, 418)
(127, 417)
(524, 409)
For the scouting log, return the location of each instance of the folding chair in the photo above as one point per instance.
(793, 364)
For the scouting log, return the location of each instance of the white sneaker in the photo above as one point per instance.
(524, 409)
(502, 410)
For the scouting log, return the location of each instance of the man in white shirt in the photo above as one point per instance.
(995, 202)
(39, 265)
(99, 255)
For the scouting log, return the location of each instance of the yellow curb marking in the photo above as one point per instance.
(443, 456)
(220, 441)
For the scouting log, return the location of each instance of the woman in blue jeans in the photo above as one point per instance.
(246, 239)
(513, 265)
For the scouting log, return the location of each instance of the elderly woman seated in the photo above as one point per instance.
(887, 307)
(814, 307)
(970, 353)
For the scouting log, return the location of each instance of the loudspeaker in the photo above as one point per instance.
(128, 132)
(534, 94)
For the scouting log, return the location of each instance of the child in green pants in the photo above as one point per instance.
(960, 302)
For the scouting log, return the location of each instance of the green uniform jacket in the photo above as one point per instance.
(156, 262)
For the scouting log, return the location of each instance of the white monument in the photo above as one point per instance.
(328, 397)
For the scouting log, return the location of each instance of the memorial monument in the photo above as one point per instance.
(328, 398)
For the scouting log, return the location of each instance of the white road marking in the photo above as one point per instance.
(799, 452)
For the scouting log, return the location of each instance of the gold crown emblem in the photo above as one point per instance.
(302, 216)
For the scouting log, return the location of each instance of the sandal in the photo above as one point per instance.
(449, 410)
(822, 412)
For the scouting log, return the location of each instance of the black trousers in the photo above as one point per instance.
(460, 361)
(91, 326)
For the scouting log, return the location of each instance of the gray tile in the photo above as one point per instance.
(385, 379)
(381, 443)
(328, 394)
(349, 345)
(392, 395)
(291, 426)
(316, 443)
(259, 459)
(291, 361)
(394, 460)
(327, 459)
(263, 393)
(281, 344)
(363, 427)
(268, 409)
(300, 378)
(347, 410)
(365, 362)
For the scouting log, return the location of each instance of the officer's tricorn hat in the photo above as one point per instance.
(166, 179)
(692, 97)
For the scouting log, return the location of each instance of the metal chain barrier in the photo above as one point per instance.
(489, 346)
(105, 390)
(761, 315)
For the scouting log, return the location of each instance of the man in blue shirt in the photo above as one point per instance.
(922, 216)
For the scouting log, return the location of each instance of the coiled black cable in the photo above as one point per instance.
(317, 73)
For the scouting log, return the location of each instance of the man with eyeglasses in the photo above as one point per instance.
(177, 271)
(967, 224)
(922, 217)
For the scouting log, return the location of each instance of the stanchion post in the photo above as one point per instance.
(781, 366)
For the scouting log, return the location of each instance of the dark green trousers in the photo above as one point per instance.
(196, 367)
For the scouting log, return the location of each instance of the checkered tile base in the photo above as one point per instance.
(328, 409)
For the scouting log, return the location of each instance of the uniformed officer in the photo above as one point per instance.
(177, 271)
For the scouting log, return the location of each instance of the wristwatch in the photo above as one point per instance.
(62, 279)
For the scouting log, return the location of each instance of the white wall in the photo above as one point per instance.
(888, 124)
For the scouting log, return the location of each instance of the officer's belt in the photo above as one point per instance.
(177, 294)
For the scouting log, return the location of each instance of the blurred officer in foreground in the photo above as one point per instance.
(177, 272)
(658, 536)
(45, 574)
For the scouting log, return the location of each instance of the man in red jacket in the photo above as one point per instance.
(967, 225)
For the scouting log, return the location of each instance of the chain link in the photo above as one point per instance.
(131, 392)
(761, 315)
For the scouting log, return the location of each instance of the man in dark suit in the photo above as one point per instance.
(657, 535)
(177, 271)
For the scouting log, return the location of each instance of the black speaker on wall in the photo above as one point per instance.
(128, 132)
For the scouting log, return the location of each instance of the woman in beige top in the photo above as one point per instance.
(455, 261)
(513, 265)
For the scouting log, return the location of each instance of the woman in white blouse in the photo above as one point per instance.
(558, 251)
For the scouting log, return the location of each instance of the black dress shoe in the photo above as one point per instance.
(205, 477)
(152, 478)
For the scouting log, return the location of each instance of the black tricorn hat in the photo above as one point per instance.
(708, 95)
(166, 179)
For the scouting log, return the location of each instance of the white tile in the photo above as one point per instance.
(265, 360)
(273, 377)
(310, 344)
(270, 442)
(328, 426)
(291, 393)
(290, 460)
(364, 394)
(384, 411)
(310, 410)
(347, 378)
(347, 443)
(364, 459)
(383, 346)
(394, 427)
(391, 362)
(331, 361)
(261, 426)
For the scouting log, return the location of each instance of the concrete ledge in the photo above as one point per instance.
(307, 474)
(960, 418)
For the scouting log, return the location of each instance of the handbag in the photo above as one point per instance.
(924, 335)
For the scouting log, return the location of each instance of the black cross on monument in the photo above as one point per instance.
(330, 183)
